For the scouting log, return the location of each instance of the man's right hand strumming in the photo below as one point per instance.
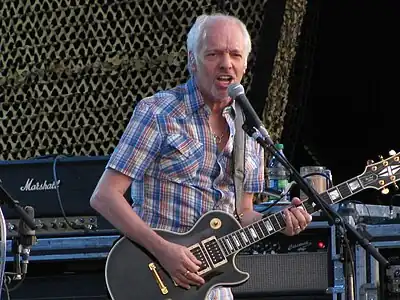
(180, 263)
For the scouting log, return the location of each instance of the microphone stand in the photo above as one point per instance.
(334, 218)
(20, 245)
(5, 198)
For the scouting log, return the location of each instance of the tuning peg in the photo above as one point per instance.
(392, 152)
(370, 162)
(396, 187)
(385, 191)
(380, 157)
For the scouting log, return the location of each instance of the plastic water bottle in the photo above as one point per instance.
(278, 176)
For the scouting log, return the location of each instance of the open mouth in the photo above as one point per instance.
(226, 79)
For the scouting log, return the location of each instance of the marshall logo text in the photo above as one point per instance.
(31, 185)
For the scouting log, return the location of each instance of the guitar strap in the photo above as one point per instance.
(239, 148)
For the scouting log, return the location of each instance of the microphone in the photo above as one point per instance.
(27, 238)
(236, 92)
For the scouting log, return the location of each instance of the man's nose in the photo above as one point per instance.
(226, 61)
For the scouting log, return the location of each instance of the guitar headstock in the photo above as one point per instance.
(379, 175)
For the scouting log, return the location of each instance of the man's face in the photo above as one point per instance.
(221, 60)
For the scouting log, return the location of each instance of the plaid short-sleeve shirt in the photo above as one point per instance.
(177, 172)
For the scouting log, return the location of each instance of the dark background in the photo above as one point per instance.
(345, 87)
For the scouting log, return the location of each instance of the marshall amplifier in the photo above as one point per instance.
(59, 189)
(282, 266)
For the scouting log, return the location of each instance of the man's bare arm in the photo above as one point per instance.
(246, 211)
(108, 199)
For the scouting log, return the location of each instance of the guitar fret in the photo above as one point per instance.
(326, 196)
(239, 237)
(344, 190)
(253, 233)
(269, 226)
(260, 233)
(229, 246)
(244, 236)
(224, 247)
(235, 247)
(275, 222)
(354, 185)
(248, 234)
(263, 227)
(236, 240)
(308, 206)
(334, 195)
(281, 219)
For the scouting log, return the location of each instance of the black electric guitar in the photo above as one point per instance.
(215, 239)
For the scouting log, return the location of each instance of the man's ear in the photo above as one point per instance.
(192, 60)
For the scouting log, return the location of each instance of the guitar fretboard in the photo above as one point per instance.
(253, 233)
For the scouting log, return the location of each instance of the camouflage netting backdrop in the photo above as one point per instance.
(71, 71)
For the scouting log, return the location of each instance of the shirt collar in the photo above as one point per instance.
(194, 99)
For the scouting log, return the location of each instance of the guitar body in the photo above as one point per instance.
(128, 267)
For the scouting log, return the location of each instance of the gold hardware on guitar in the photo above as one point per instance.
(392, 152)
(370, 162)
(161, 285)
(215, 223)
(393, 180)
(384, 162)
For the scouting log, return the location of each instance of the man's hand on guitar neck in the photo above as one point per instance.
(180, 263)
(297, 219)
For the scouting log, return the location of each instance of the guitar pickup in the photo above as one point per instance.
(214, 251)
(199, 254)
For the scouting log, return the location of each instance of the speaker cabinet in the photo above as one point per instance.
(300, 273)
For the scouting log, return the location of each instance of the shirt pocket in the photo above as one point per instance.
(253, 163)
(181, 157)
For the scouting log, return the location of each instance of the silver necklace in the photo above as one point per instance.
(217, 138)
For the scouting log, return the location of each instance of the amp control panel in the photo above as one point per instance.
(56, 225)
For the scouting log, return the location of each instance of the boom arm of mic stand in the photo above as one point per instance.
(5, 197)
(334, 217)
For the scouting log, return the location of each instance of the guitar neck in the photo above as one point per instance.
(267, 226)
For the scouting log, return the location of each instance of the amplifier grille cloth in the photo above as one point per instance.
(284, 272)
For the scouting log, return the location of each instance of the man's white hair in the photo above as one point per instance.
(197, 35)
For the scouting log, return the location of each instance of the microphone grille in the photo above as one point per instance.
(235, 89)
